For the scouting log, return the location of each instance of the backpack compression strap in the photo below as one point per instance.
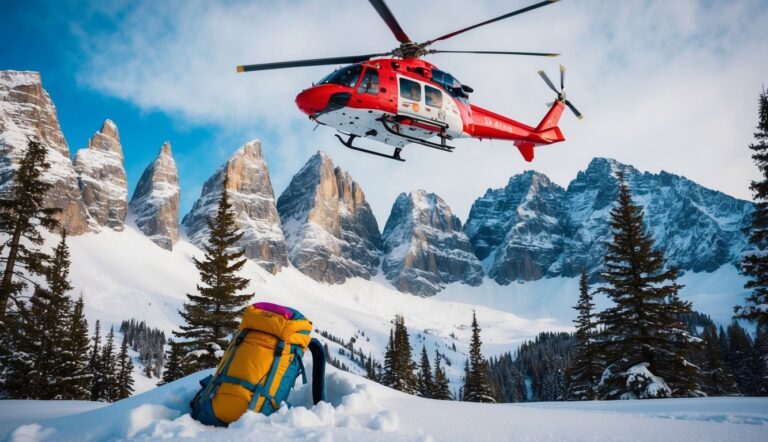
(318, 370)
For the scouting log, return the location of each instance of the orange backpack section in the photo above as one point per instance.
(260, 366)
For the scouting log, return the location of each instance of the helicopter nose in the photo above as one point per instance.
(312, 101)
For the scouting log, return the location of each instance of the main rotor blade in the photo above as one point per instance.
(548, 81)
(390, 20)
(501, 17)
(537, 54)
(303, 63)
(574, 110)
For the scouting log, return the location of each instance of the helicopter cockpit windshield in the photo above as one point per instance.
(346, 76)
(451, 85)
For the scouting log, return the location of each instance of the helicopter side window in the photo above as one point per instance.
(370, 83)
(433, 96)
(410, 90)
(345, 76)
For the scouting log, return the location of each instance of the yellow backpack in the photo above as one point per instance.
(260, 366)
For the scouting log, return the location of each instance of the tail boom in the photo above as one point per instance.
(490, 125)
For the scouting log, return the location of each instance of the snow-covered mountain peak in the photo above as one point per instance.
(331, 232)
(27, 111)
(253, 201)
(425, 246)
(155, 202)
(102, 180)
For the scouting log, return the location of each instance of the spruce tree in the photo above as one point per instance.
(214, 314)
(440, 388)
(584, 373)
(50, 309)
(755, 264)
(22, 213)
(741, 359)
(76, 385)
(123, 385)
(399, 367)
(642, 330)
(477, 385)
(426, 384)
(717, 379)
(104, 377)
(174, 368)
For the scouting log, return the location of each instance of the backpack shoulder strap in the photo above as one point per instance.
(318, 370)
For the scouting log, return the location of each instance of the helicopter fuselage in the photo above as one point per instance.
(401, 101)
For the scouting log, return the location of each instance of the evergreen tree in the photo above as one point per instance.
(761, 360)
(123, 384)
(76, 386)
(50, 309)
(741, 359)
(214, 314)
(477, 386)
(717, 379)
(399, 368)
(584, 373)
(426, 384)
(104, 378)
(21, 214)
(174, 369)
(643, 337)
(755, 264)
(440, 388)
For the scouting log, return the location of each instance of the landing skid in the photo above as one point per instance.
(348, 143)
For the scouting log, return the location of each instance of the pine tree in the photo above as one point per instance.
(123, 384)
(477, 385)
(741, 359)
(104, 378)
(214, 314)
(174, 369)
(21, 214)
(50, 309)
(643, 337)
(76, 386)
(426, 384)
(717, 379)
(440, 388)
(755, 264)
(399, 367)
(760, 355)
(585, 371)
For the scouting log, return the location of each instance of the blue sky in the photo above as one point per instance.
(663, 85)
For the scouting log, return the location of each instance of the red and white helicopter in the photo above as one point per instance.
(397, 98)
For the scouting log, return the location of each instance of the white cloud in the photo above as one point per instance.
(663, 85)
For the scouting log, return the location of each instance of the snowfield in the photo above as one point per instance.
(359, 410)
(124, 275)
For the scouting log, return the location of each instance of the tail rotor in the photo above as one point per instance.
(561, 93)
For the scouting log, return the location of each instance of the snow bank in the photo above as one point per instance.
(358, 409)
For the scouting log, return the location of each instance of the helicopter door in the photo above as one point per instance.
(427, 102)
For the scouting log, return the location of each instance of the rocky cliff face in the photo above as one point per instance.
(425, 246)
(517, 231)
(101, 175)
(331, 232)
(26, 110)
(154, 206)
(253, 202)
(533, 228)
(697, 228)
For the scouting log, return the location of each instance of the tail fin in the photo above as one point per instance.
(526, 150)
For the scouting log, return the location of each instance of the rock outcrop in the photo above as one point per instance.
(331, 232)
(517, 231)
(26, 110)
(425, 246)
(253, 202)
(533, 228)
(154, 206)
(101, 175)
